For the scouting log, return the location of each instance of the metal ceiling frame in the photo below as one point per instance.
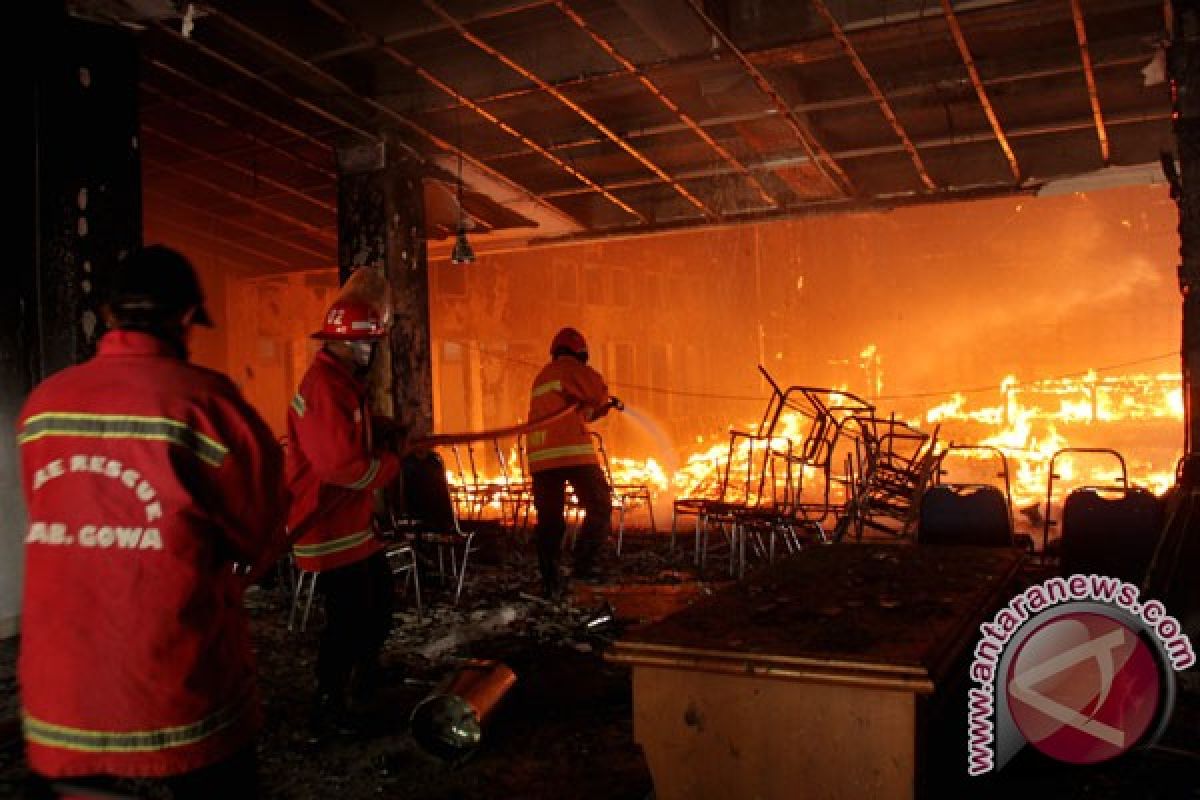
(416, 33)
(441, 85)
(981, 92)
(881, 100)
(914, 90)
(684, 118)
(256, 77)
(379, 107)
(803, 52)
(231, 222)
(256, 144)
(791, 161)
(353, 113)
(830, 206)
(204, 155)
(241, 106)
(583, 113)
(1089, 75)
(825, 163)
(233, 194)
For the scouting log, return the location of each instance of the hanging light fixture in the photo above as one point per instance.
(462, 254)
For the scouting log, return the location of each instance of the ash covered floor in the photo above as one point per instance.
(565, 728)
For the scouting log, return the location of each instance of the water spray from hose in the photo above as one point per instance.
(662, 441)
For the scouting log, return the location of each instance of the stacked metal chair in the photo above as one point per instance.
(898, 463)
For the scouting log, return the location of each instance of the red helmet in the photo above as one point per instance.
(570, 340)
(352, 320)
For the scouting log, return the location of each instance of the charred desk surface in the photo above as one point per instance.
(897, 612)
(810, 673)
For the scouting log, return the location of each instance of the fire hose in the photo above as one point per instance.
(296, 532)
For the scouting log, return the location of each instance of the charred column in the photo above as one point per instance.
(1172, 572)
(1184, 65)
(86, 213)
(381, 225)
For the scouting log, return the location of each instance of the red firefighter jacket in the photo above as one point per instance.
(145, 478)
(332, 465)
(567, 442)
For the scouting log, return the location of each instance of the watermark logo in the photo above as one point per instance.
(1076, 667)
(1083, 688)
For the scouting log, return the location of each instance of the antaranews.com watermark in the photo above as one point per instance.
(1088, 678)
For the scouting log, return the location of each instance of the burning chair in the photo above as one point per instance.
(827, 453)
(1053, 475)
(713, 494)
(745, 499)
(806, 434)
(898, 463)
(507, 493)
(471, 494)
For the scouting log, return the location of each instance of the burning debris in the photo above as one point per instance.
(1036, 420)
(1033, 421)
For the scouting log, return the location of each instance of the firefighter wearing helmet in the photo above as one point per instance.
(145, 479)
(562, 453)
(338, 452)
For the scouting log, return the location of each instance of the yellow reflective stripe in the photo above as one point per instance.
(94, 741)
(123, 426)
(560, 452)
(333, 546)
(298, 404)
(368, 476)
(547, 388)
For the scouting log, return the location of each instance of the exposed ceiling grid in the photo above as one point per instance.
(585, 117)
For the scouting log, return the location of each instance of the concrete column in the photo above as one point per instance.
(86, 213)
(381, 225)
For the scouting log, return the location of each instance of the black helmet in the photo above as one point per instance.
(157, 280)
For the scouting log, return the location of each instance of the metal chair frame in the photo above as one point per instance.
(1052, 476)
(306, 579)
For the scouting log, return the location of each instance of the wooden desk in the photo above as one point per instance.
(809, 678)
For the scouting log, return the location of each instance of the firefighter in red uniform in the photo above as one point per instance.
(334, 455)
(146, 478)
(563, 452)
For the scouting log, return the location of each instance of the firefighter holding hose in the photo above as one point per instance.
(562, 452)
(337, 456)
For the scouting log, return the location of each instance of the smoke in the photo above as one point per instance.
(1115, 285)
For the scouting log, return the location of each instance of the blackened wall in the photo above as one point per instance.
(82, 131)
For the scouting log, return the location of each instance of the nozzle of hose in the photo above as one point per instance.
(616, 403)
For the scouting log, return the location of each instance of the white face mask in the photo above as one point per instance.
(364, 353)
